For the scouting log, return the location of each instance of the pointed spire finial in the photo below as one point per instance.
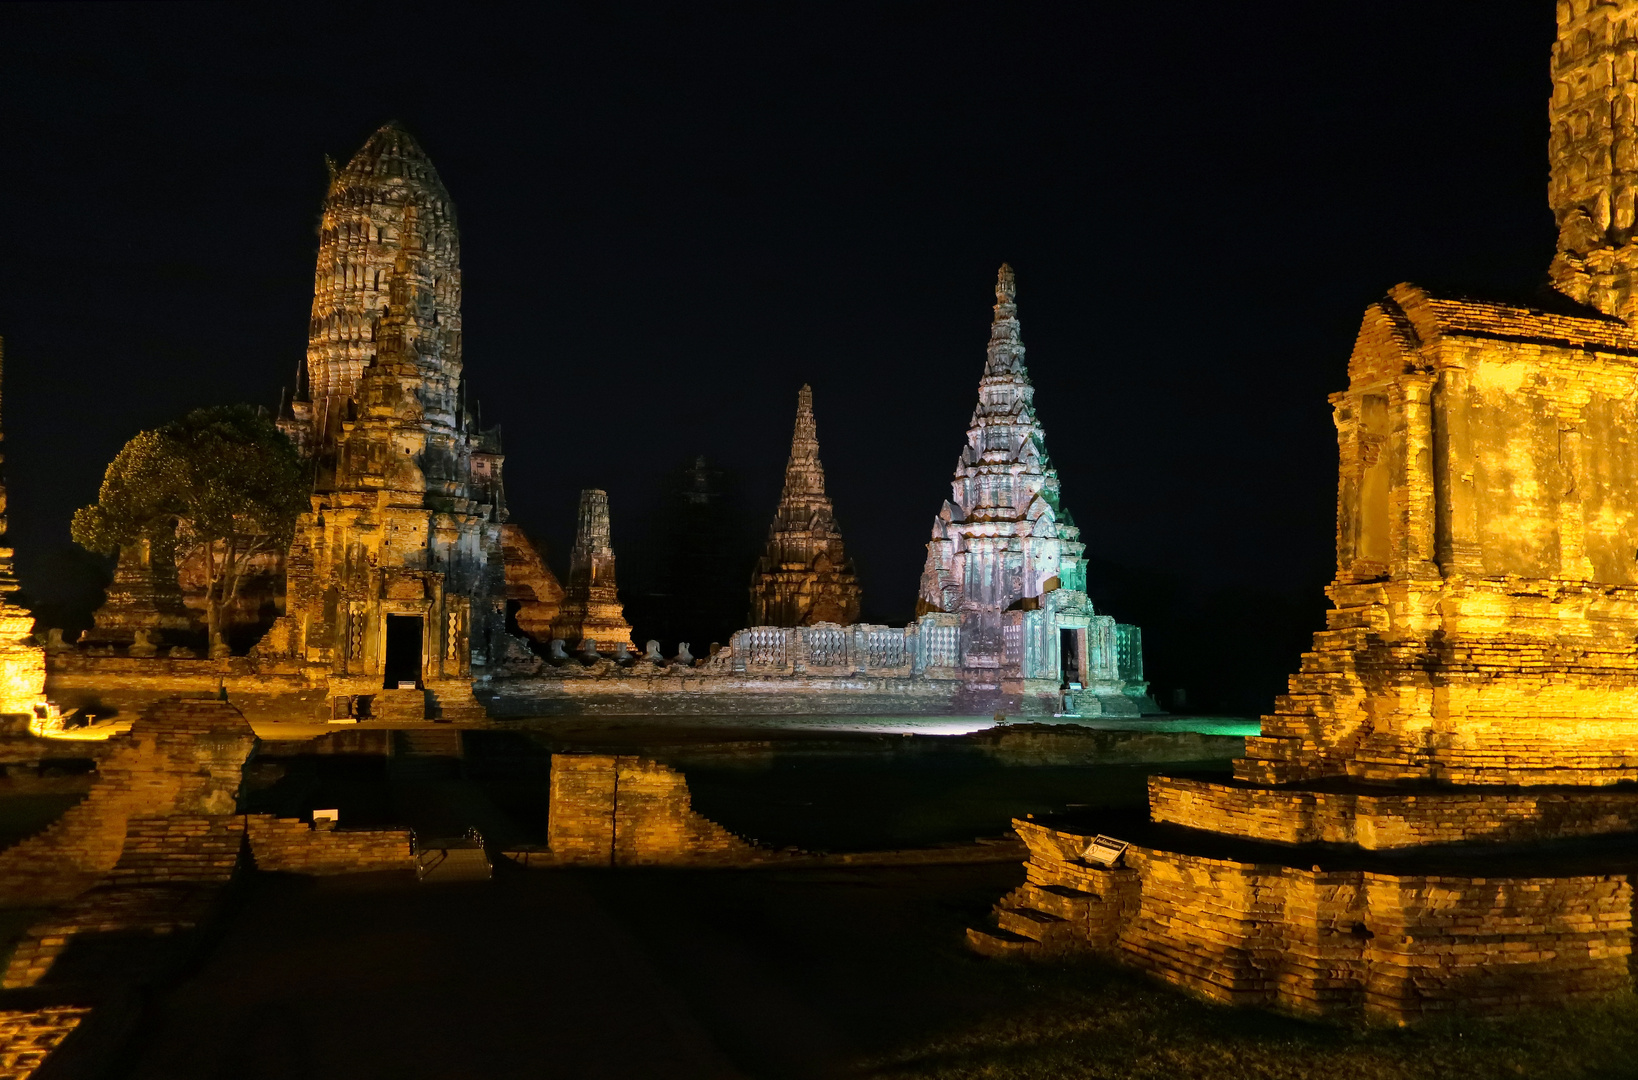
(1006, 347)
(805, 439)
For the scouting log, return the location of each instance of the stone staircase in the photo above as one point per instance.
(399, 706)
(452, 700)
(1041, 920)
(428, 742)
(1065, 906)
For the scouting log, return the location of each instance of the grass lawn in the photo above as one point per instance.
(1092, 1020)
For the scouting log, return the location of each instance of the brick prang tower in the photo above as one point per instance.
(591, 606)
(1593, 150)
(804, 576)
(1007, 558)
(396, 575)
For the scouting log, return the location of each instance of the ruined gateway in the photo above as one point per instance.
(1476, 684)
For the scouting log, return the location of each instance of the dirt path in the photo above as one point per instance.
(760, 974)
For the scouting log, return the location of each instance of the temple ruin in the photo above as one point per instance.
(144, 600)
(395, 581)
(591, 609)
(1593, 188)
(530, 584)
(1004, 621)
(1006, 556)
(804, 576)
(1477, 681)
(391, 603)
(22, 662)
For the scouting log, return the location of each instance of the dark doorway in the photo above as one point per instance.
(1069, 657)
(403, 663)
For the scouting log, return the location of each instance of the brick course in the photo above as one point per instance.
(1390, 819)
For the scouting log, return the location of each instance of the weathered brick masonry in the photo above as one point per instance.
(1384, 818)
(1476, 683)
(28, 1036)
(628, 811)
(1397, 945)
(295, 846)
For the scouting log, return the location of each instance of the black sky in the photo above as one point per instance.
(673, 216)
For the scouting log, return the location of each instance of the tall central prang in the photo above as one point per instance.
(395, 578)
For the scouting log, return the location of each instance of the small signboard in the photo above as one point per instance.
(1104, 851)
(331, 816)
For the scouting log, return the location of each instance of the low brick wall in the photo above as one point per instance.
(683, 692)
(293, 846)
(628, 811)
(1390, 820)
(1326, 942)
(28, 1037)
(1069, 744)
(126, 685)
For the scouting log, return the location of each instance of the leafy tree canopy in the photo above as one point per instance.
(224, 479)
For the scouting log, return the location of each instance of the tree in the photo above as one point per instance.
(223, 480)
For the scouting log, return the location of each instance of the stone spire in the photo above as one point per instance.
(804, 575)
(1002, 537)
(804, 475)
(360, 236)
(591, 604)
(1004, 473)
(1593, 153)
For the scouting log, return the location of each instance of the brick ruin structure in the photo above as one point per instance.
(609, 810)
(1003, 620)
(1477, 681)
(530, 584)
(132, 875)
(591, 609)
(1006, 556)
(804, 576)
(1593, 190)
(143, 601)
(395, 583)
(395, 587)
(22, 662)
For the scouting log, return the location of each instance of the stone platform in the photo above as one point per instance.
(1385, 817)
(1332, 933)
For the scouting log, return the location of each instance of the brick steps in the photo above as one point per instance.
(1062, 901)
(399, 706)
(429, 742)
(1047, 919)
(1001, 944)
(454, 703)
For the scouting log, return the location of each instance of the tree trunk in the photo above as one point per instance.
(213, 605)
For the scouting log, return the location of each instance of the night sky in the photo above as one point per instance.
(673, 217)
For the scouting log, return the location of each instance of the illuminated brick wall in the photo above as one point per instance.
(1486, 599)
(627, 811)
